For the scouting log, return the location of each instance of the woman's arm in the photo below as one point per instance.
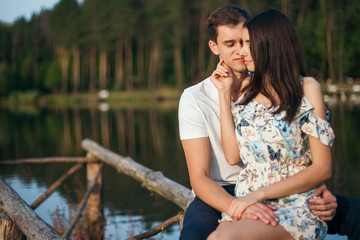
(222, 78)
(310, 177)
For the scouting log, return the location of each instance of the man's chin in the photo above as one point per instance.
(239, 69)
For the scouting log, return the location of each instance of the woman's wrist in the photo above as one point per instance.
(260, 194)
(225, 94)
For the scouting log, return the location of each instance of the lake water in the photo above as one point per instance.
(149, 136)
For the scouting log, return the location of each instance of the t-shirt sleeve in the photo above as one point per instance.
(191, 119)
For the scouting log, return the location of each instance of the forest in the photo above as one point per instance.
(126, 45)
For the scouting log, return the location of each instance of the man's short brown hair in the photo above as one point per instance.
(227, 15)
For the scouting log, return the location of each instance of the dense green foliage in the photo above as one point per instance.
(139, 44)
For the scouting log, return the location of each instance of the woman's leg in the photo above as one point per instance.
(250, 230)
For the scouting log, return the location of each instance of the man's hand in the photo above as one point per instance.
(262, 212)
(324, 207)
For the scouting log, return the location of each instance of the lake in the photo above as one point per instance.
(147, 135)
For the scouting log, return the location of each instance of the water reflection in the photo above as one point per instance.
(345, 116)
(149, 136)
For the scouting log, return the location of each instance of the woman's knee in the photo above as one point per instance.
(214, 236)
(219, 234)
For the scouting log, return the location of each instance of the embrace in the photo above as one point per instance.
(256, 138)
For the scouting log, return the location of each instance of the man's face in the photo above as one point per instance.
(228, 46)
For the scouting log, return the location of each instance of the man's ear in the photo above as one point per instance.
(213, 47)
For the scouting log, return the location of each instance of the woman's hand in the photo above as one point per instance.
(239, 205)
(222, 77)
(262, 212)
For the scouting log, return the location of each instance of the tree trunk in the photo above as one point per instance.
(329, 43)
(324, 57)
(179, 69)
(153, 65)
(201, 44)
(128, 64)
(76, 69)
(284, 6)
(140, 60)
(301, 14)
(212, 64)
(92, 68)
(341, 50)
(64, 65)
(119, 65)
(103, 69)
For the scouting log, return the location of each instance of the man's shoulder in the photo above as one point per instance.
(203, 87)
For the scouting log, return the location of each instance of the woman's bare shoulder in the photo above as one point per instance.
(312, 91)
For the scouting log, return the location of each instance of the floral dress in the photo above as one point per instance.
(272, 150)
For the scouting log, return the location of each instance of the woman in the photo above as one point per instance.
(280, 130)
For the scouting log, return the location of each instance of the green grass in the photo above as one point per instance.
(161, 97)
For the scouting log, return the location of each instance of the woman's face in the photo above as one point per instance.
(245, 51)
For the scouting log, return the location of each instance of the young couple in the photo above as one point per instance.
(277, 152)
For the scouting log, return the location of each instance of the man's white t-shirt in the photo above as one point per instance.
(199, 116)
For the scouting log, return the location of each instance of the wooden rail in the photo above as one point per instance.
(151, 180)
(48, 160)
(55, 185)
(34, 227)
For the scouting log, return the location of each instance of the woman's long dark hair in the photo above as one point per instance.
(277, 56)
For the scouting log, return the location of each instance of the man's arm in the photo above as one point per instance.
(324, 207)
(198, 158)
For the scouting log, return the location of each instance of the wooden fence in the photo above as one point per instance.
(18, 220)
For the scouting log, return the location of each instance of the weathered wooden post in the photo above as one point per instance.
(151, 180)
(95, 209)
(23, 216)
(9, 230)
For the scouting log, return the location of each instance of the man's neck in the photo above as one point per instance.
(236, 86)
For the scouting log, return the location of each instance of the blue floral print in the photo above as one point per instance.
(283, 126)
(242, 123)
(273, 155)
(255, 149)
(272, 150)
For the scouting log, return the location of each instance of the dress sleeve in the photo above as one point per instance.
(312, 124)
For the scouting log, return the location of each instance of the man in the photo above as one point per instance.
(211, 177)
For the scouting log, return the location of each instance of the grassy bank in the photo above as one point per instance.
(166, 97)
